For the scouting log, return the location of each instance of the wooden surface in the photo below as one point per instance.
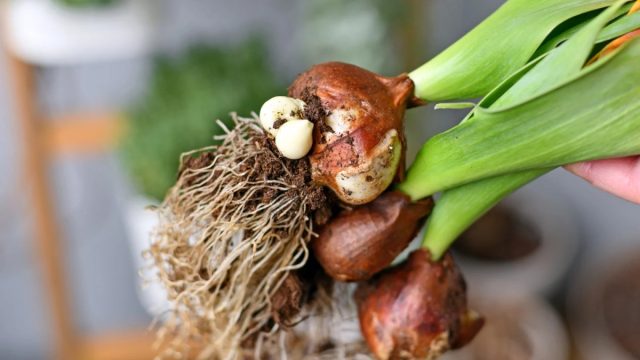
(42, 139)
(128, 345)
(81, 133)
(47, 247)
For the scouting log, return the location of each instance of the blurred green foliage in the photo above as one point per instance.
(87, 3)
(185, 98)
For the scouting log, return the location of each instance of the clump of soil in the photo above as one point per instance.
(315, 112)
(500, 235)
(621, 306)
(266, 165)
(231, 244)
(272, 165)
(279, 122)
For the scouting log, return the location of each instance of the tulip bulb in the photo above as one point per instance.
(279, 110)
(359, 140)
(416, 310)
(359, 243)
(295, 138)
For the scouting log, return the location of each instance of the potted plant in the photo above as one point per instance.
(524, 246)
(185, 98)
(524, 328)
(63, 32)
(603, 307)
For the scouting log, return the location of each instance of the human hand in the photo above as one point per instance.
(620, 176)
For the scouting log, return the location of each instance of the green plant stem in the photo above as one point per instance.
(458, 208)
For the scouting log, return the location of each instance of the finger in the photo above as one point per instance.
(620, 176)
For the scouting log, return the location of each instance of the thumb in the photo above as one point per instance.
(619, 176)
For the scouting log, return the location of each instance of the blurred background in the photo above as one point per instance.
(99, 97)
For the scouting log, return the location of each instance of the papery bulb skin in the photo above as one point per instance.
(359, 141)
(416, 310)
(361, 242)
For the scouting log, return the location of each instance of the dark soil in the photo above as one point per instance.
(278, 123)
(299, 288)
(269, 164)
(500, 235)
(621, 306)
(298, 114)
(288, 301)
(195, 162)
(315, 112)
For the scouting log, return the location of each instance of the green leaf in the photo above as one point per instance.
(496, 48)
(619, 27)
(460, 207)
(454, 106)
(593, 115)
(559, 65)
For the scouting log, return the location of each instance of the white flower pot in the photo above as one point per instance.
(539, 272)
(594, 341)
(140, 221)
(516, 329)
(44, 32)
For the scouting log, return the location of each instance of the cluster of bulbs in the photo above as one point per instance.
(282, 117)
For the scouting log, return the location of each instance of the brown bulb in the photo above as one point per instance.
(359, 243)
(416, 310)
(359, 142)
